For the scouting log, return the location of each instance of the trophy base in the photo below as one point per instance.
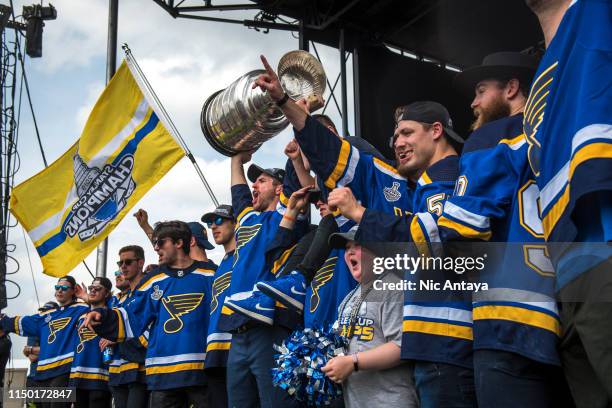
(209, 135)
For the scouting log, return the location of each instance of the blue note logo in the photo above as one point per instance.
(323, 275)
(392, 193)
(219, 286)
(177, 306)
(103, 193)
(535, 110)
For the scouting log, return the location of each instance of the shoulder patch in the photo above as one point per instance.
(150, 281)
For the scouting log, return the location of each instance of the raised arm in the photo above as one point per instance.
(270, 83)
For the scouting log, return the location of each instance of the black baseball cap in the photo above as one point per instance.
(223, 211)
(428, 112)
(255, 171)
(48, 306)
(338, 240)
(199, 233)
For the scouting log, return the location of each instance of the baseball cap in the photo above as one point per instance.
(199, 233)
(223, 211)
(338, 240)
(428, 112)
(48, 306)
(255, 171)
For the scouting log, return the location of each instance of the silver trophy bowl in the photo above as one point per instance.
(240, 118)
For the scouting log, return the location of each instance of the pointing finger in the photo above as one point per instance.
(267, 66)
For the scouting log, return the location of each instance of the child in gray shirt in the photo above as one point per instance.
(371, 371)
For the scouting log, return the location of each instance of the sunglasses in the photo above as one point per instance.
(127, 262)
(160, 242)
(217, 221)
(118, 273)
(63, 288)
(95, 288)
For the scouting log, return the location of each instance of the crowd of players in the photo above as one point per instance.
(192, 333)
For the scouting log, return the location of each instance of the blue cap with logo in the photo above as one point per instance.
(199, 233)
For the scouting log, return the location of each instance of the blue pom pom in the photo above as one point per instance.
(299, 363)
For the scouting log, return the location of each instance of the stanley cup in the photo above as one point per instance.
(240, 118)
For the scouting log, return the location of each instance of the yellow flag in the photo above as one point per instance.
(71, 206)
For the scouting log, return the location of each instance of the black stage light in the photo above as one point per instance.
(35, 16)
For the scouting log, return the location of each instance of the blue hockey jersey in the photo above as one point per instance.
(496, 200)
(218, 341)
(175, 305)
(56, 329)
(568, 126)
(374, 182)
(437, 325)
(88, 371)
(255, 233)
(127, 365)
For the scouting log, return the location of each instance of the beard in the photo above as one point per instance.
(497, 110)
(409, 171)
(540, 6)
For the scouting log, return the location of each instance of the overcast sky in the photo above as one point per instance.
(185, 61)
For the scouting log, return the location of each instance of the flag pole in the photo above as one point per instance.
(165, 118)
(111, 66)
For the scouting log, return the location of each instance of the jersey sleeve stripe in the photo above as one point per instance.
(430, 226)
(219, 337)
(592, 151)
(120, 325)
(283, 199)
(243, 213)
(582, 137)
(418, 237)
(350, 171)
(424, 179)
(460, 214)
(515, 143)
(154, 279)
(17, 324)
(174, 368)
(463, 230)
(219, 345)
(438, 329)
(519, 315)
(338, 171)
(439, 312)
(280, 262)
(387, 168)
(143, 340)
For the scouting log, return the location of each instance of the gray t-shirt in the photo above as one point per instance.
(379, 321)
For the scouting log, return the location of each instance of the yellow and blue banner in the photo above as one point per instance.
(72, 205)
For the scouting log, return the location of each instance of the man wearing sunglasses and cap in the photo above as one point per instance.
(56, 329)
(222, 224)
(89, 373)
(249, 314)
